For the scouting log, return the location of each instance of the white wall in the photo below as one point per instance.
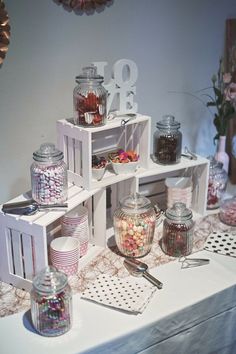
(175, 43)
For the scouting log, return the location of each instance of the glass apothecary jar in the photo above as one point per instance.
(178, 228)
(167, 141)
(51, 303)
(134, 225)
(227, 212)
(217, 183)
(89, 98)
(49, 176)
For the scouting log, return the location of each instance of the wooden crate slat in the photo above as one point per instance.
(17, 253)
(27, 247)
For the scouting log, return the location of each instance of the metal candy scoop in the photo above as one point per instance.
(138, 268)
(28, 207)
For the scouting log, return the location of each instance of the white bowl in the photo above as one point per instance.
(98, 173)
(124, 168)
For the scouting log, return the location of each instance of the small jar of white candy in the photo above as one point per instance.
(49, 175)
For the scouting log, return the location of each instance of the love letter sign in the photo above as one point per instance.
(121, 87)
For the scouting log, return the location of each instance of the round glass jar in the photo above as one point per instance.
(51, 303)
(167, 141)
(217, 183)
(228, 211)
(134, 225)
(89, 99)
(49, 176)
(178, 228)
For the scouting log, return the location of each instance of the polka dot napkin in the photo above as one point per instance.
(121, 294)
(222, 243)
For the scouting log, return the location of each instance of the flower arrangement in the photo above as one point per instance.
(122, 156)
(223, 100)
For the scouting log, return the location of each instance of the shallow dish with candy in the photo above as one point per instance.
(98, 167)
(124, 162)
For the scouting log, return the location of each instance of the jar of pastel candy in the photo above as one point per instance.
(227, 212)
(49, 176)
(89, 98)
(134, 225)
(51, 303)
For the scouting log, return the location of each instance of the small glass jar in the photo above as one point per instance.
(90, 99)
(178, 228)
(51, 303)
(228, 211)
(134, 225)
(167, 141)
(217, 183)
(49, 176)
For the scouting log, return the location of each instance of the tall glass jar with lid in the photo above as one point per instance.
(49, 175)
(217, 183)
(134, 225)
(90, 98)
(51, 303)
(167, 141)
(178, 228)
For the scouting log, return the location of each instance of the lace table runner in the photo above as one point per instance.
(108, 261)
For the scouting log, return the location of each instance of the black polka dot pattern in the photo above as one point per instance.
(222, 243)
(122, 294)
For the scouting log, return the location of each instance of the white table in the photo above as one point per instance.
(195, 312)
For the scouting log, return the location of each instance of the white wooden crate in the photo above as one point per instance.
(24, 240)
(151, 183)
(80, 143)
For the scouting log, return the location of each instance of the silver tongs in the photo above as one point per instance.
(138, 268)
(29, 207)
(189, 154)
(193, 262)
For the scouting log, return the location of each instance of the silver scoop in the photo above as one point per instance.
(29, 207)
(138, 268)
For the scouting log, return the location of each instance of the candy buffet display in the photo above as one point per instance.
(89, 98)
(178, 228)
(49, 175)
(228, 211)
(217, 183)
(134, 225)
(51, 303)
(167, 141)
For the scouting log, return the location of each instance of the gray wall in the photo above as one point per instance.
(176, 45)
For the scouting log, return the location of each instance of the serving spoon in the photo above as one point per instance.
(138, 268)
(29, 207)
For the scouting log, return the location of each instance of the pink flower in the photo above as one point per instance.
(227, 77)
(230, 92)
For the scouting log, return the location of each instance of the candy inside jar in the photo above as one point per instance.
(228, 211)
(90, 98)
(134, 225)
(217, 183)
(178, 229)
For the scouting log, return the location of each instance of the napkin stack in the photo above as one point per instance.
(123, 294)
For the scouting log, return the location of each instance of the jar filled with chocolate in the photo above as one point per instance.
(51, 303)
(217, 183)
(167, 141)
(134, 225)
(178, 228)
(49, 175)
(89, 99)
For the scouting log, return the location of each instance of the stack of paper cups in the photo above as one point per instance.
(179, 189)
(75, 224)
(64, 254)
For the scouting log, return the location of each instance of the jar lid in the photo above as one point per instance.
(214, 163)
(50, 280)
(168, 121)
(179, 211)
(48, 153)
(135, 203)
(89, 73)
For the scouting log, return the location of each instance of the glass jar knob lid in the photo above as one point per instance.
(179, 211)
(50, 280)
(48, 153)
(168, 121)
(89, 73)
(135, 202)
